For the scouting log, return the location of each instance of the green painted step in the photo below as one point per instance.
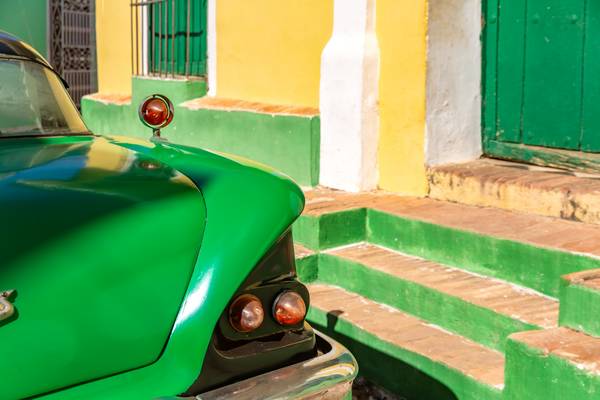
(332, 229)
(404, 354)
(482, 309)
(528, 250)
(475, 245)
(380, 297)
(307, 263)
(555, 364)
(580, 302)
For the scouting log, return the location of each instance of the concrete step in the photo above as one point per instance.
(554, 364)
(405, 354)
(529, 250)
(519, 187)
(307, 263)
(580, 302)
(483, 309)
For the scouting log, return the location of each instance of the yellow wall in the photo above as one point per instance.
(402, 31)
(270, 50)
(113, 39)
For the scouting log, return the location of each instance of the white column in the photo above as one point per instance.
(453, 82)
(348, 99)
(212, 47)
(145, 44)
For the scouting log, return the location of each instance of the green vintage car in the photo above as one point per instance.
(142, 269)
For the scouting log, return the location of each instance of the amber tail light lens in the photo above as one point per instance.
(289, 309)
(156, 111)
(246, 313)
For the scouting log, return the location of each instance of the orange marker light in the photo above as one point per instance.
(246, 314)
(155, 111)
(289, 309)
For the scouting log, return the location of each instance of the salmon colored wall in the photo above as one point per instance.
(402, 33)
(270, 50)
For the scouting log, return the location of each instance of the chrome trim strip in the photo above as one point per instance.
(6, 307)
(328, 376)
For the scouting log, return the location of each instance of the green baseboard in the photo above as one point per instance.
(177, 90)
(289, 143)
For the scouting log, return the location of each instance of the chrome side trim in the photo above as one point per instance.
(325, 377)
(6, 307)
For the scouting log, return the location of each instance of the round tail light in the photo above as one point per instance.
(246, 313)
(156, 112)
(289, 309)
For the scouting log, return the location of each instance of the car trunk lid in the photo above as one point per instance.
(99, 243)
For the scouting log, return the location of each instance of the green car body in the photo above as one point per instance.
(124, 256)
(65, 274)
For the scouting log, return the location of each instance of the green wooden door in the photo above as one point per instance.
(541, 75)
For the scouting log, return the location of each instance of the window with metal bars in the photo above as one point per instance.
(72, 44)
(168, 38)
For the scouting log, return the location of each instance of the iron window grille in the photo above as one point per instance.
(72, 44)
(168, 38)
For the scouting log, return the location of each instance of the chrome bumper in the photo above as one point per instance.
(328, 376)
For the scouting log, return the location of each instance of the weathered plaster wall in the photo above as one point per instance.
(402, 31)
(349, 89)
(453, 82)
(26, 19)
(270, 50)
(113, 46)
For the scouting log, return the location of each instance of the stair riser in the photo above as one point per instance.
(557, 195)
(579, 308)
(517, 262)
(307, 268)
(532, 375)
(479, 324)
(331, 230)
(405, 373)
(499, 194)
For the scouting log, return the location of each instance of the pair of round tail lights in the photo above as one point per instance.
(247, 313)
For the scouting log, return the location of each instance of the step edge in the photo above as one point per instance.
(521, 339)
(518, 288)
(469, 174)
(429, 325)
(379, 208)
(495, 236)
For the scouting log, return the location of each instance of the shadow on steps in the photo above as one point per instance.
(403, 380)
